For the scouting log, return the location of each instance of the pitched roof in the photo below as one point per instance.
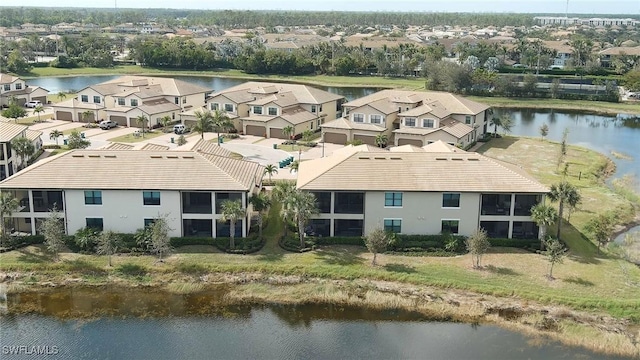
(441, 146)
(158, 106)
(452, 103)
(621, 50)
(168, 86)
(8, 131)
(304, 94)
(118, 146)
(208, 147)
(7, 79)
(344, 123)
(75, 104)
(415, 171)
(124, 169)
(33, 134)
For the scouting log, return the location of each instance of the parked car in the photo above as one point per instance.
(180, 129)
(33, 104)
(107, 124)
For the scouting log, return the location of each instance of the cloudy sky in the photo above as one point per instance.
(531, 6)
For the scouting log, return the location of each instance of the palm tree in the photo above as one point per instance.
(142, 121)
(232, 211)
(294, 166)
(55, 134)
(270, 170)
(300, 207)
(382, 140)
(506, 123)
(39, 109)
(221, 121)
(307, 135)
(544, 216)
(24, 148)
(165, 121)
(62, 95)
(8, 205)
(204, 122)
(281, 194)
(495, 122)
(288, 131)
(260, 203)
(86, 115)
(563, 192)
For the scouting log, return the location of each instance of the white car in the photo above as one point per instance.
(107, 124)
(33, 104)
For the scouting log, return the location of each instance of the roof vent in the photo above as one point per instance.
(441, 159)
(364, 157)
(172, 156)
(395, 158)
(457, 159)
(380, 158)
(110, 156)
(156, 156)
(77, 155)
(473, 159)
(188, 157)
(94, 156)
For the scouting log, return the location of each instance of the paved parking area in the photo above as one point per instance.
(258, 153)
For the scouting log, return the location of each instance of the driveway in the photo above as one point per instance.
(258, 153)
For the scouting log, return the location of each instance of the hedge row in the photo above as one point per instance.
(292, 243)
(529, 244)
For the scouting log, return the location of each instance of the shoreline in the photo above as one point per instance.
(584, 106)
(597, 332)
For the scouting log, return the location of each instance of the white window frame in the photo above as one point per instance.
(392, 206)
(394, 219)
(272, 108)
(360, 115)
(254, 108)
(375, 115)
(214, 106)
(233, 107)
(122, 101)
(424, 123)
(410, 118)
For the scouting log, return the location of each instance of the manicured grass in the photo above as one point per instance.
(54, 98)
(579, 105)
(129, 138)
(30, 120)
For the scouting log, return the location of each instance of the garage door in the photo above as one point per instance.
(121, 120)
(335, 138)
(89, 117)
(413, 142)
(134, 123)
(42, 99)
(369, 140)
(64, 115)
(256, 130)
(276, 133)
(21, 101)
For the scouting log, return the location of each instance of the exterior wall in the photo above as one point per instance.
(192, 101)
(422, 212)
(367, 111)
(122, 210)
(90, 93)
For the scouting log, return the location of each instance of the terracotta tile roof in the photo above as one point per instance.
(440, 147)
(346, 124)
(7, 79)
(8, 131)
(76, 104)
(303, 93)
(168, 86)
(455, 128)
(154, 147)
(415, 171)
(208, 147)
(118, 146)
(114, 169)
(621, 50)
(33, 134)
(452, 103)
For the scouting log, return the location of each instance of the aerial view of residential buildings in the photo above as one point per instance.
(307, 184)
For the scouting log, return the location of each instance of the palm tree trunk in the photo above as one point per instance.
(260, 225)
(301, 233)
(218, 139)
(560, 209)
(232, 233)
(551, 271)
(543, 233)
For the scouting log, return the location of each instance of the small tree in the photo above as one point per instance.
(555, 88)
(382, 140)
(24, 148)
(377, 242)
(52, 228)
(165, 121)
(307, 135)
(288, 131)
(61, 96)
(563, 148)
(8, 205)
(87, 115)
(86, 238)
(260, 203)
(555, 253)
(160, 241)
(506, 123)
(181, 140)
(270, 170)
(142, 121)
(300, 206)
(204, 122)
(221, 122)
(55, 134)
(544, 216)
(544, 130)
(495, 122)
(108, 243)
(232, 211)
(76, 141)
(294, 166)
(600, 228)
(14, 111)
(478, 244)
(38, 109)
(565, 194)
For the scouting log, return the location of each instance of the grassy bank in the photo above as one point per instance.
(350, 81)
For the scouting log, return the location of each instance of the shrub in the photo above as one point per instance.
(131, 270)
(292, 243)
(243, 245)
(289, 142)
(51, 146)
(339, 240)
(529, 244)
(231, 136)
(193, 269)
(191, 240)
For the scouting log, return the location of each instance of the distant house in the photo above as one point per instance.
(9, 160)
(607, 56)
(265, 109)
(124, 99)
(409, 117)
(123, 191)
(12, 87)
(420, 191)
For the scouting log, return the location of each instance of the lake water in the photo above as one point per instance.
(116, 323)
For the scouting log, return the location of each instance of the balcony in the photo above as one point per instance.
(496, 204)
(196, 203)
(349, 203)
(222, 197)
(43, 201)
(524, 203)
(323, 199)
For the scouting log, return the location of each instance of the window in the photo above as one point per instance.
(176, 100)
(18, 86)
(93, 197)
(358, 118)
(95, 223)
(428, 123)
(409, 121)
(323, 200)
(273, 111)
(375, 119)
(348, 203)
(121, 101)
(184, 100)
(393, 225)
(96, 99)
(134, 102)
(393, 199)
(313, 109)
(228, 107)
(84, 98)
(7, 87)
(257, 110)
(151, 197)
(450, 226)
(148, 222)
(467, 120)
(450, 200)
(214, 106)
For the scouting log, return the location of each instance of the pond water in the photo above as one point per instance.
(115, 323)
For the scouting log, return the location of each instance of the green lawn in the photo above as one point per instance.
(129, 138)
